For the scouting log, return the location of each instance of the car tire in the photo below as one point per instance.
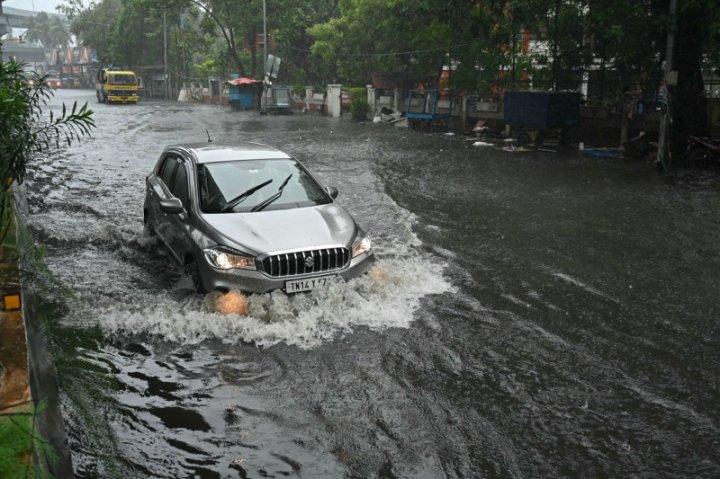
(523, 139)
(192, 271)
(148, 230)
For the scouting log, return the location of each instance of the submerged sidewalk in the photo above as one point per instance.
(14, 386)
(16, 407)
(32, 431)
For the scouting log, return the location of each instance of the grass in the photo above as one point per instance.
(16, 445)
(16, 429)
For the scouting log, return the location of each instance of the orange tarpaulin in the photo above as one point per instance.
(243, 81)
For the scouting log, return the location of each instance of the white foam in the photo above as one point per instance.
(387, 298)
(576, 282)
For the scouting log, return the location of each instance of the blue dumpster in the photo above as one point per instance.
(243, 93)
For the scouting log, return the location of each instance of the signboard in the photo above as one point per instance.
(272, 66)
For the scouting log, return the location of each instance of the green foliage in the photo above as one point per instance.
(19, 441)
(25, 131)
(408, 40)
(23, 128)
(15, 446)
(94, 25)
(359, 107)
(290, 21)
(298, 80)
(137, 35)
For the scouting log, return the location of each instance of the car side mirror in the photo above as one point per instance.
(332, 191)
(172, 206)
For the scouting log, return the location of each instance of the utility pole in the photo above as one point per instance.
(265, 38)
(266, 76)
(664, 158)
(555, 45)
(165, 68)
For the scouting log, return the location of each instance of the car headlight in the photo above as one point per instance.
(225, 259)
(362, 244)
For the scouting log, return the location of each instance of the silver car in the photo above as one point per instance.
(251, 217)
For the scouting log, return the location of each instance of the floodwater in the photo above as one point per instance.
(531, 314)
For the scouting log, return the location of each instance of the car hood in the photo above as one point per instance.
(276, 231)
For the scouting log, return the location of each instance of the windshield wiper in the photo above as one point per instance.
(274, 197)
(240, 198)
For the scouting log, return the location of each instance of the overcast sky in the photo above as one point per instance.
(36, 5)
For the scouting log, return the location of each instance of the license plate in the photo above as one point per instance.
(310, 284)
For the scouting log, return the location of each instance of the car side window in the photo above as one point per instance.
(179, 185)
(167, 169)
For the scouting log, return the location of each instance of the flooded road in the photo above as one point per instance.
(531, 314)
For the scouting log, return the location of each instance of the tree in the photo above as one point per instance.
(225, 15)
(289, 23)
(59, 35)
(50, 31)
(25, 131)
(38, 28)
(92, 22)
(137, 35)
(407, 39)
(696, 26)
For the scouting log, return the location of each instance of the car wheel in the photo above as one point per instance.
(192, 271)
(523, 139)
(148, 230)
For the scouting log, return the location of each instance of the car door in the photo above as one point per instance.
(158, 190)
(178, 224)
(171, 180)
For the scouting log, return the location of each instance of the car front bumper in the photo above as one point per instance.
(123, 99)
(253, 281)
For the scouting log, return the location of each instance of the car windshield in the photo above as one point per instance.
(221, 183)
(121, 79)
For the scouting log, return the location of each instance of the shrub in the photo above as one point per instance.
(359, 104)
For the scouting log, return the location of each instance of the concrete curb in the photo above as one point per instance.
(43, 378)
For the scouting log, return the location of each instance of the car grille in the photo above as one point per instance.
(292, 264)
(120, 92)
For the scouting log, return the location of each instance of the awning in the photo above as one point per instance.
(243, 81)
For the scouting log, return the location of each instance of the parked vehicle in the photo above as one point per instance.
(251, 217)
(31, 77)
(52, 80)
(70, 82)
(702, 151)
(116, 86)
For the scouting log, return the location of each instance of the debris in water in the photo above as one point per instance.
(482, 143)
(480, 127)
(515, 149)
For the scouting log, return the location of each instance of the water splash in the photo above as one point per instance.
(386, 298)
